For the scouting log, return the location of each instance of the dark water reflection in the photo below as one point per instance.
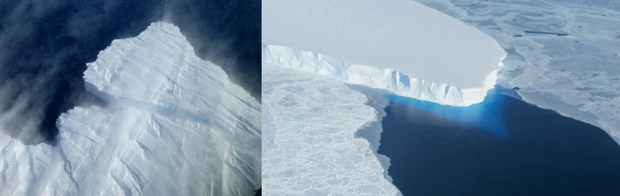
(500, 147)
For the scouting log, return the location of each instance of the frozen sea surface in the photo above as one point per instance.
(309, 141)
(175, 125)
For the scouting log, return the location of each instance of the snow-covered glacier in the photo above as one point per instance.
(173, 125)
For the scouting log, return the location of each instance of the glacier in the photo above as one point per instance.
(312, 119)
(173, 125)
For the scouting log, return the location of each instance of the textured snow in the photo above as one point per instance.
(576, 74)
(400, 35)
(175, 126)
(309, 142)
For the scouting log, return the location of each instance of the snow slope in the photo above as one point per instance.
(562, 55)
(308, 140)
(175, 125)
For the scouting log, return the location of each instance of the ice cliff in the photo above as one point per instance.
(174, 125)
(402, 46)
(388, 79)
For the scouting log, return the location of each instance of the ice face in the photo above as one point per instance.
(387, 79)
(174, 125)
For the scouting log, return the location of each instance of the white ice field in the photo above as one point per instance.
(379, 45)
(175, 125)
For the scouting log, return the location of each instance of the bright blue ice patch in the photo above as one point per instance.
(486, 116)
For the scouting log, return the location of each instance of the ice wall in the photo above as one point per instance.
(387, 79)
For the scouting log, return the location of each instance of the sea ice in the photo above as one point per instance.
(311, 146)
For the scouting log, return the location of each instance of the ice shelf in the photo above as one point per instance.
(402, 35)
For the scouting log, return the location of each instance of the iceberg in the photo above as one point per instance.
(173, 125)
(402, 46)
(314, 51)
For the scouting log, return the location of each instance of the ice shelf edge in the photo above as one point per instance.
(387, 79)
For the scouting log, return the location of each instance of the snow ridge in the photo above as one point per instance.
(391, 80)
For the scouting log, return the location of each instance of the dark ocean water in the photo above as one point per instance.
(45, 45)
(502, 146)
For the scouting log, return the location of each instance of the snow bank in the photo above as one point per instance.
(387, 79)
(175, 126)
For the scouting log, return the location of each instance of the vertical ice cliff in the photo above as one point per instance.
(402, 46)
(388, 79)
(174, 125)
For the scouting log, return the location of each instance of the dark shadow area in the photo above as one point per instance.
(44, 48)
(545, 153)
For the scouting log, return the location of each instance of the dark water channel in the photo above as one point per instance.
(502, 146)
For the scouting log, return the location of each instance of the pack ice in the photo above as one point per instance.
(175, 125)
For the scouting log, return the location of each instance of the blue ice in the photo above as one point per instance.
(486, 115)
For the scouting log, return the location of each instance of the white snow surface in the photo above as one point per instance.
(403, 35)
(175, 125)
(308, 141)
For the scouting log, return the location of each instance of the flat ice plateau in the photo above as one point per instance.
(175, 125)
(401, 35)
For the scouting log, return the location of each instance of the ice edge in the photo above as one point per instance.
(390, 80)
